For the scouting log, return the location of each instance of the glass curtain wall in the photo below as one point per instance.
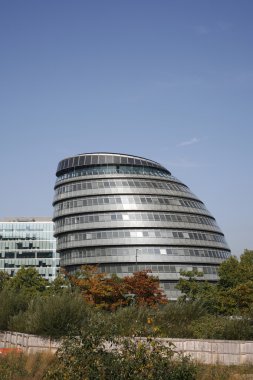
(28, 242)
(128, 213)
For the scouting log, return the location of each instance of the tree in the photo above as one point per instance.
(28, 280)
(146, 288)
(111, 292)
(189, 285)
(236, 283)
(233, 272)
(61, 284)
(97, 289)
(195, 290)
(233, 294)
(229, 273)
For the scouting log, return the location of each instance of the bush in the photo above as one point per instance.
(12, 303)
(174, 319)
(52, 316)
(217, 327)
(91, 356)
(133, 321)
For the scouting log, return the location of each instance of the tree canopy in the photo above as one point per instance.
(28, 279)
(233, 293)
(110, 292)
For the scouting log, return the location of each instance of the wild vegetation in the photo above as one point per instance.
(83, 361)
(232, 295)
(133, 306)
(87, 309)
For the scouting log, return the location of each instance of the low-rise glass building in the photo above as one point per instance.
(28, 242)
(127, 214)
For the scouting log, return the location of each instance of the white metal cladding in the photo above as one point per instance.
(125, 213)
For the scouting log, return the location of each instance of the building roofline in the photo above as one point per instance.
(75, 161)
(26, 219)
(110, 153)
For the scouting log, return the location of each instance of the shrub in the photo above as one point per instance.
(91, 356)
(12, 303)
(52, 316)
(217, 327)
(175, 318)
(133, 321)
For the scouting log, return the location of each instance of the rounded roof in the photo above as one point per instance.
(104, 158)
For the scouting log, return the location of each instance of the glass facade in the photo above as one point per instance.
(128, 213)
(28, 242)
(114, 169)
(134, 216)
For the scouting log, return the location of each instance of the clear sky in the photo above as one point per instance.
(170, 80)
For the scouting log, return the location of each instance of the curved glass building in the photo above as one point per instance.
(128, 213)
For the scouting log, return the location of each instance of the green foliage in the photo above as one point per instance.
(95, 356)
(29, 280)
(30, 304)
(4, 278)
(174, 320)
(134, 321)
(17, 292)
(234, 272)
(151, 360)
(189, 285)
(59, 285)
(52, 315)
(217, 327)
(12, 303)
(44, 366)
(195, 290)
(229, 273)
(232, 295)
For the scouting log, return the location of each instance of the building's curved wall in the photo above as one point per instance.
(128, 213)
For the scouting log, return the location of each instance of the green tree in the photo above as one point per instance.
(29, 280)
(233, 294)
(235, 283)
(190, 285)
(60, 284)
(196, 290)
(233, 272)
(229, 273)
(4, 278)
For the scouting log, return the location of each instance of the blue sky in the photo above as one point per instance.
(170, 80)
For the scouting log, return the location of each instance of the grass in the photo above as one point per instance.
(17, 366)
(222, 372)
